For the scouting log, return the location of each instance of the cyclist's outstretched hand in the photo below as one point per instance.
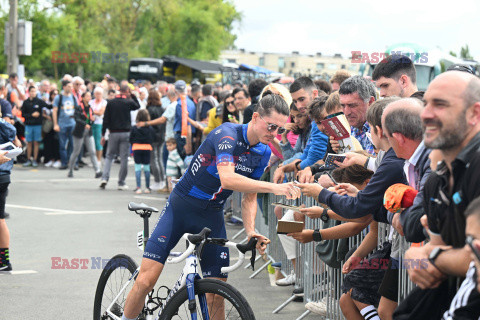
(262, 241)
(287, 189)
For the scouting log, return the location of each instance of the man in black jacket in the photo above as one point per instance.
(32, 112)
(118, 121)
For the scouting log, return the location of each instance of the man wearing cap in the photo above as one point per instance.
(117, 120)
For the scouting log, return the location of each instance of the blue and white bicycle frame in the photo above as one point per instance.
(191, 271)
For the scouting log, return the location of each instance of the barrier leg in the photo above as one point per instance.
(306, 313)
(238, 234)
(260, 269)
(283, 305)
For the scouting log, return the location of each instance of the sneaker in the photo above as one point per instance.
(57, 164)
(34, 164)
(156, 186)
(319, 308)
(298, 292)
(28, 163)
(148, 190)
(7, 267)
(234, 222)
(75, 168)
(277, 265)
(63, 167)
(70, 174)
(98, 174)
(82, 164)
(103, 183)
(287, 281)
(137, 190)
(49, 164)
(122, 187)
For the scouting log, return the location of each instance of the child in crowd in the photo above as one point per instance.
(141, 140)
(175, 164)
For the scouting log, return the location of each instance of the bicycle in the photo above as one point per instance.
(187, 299)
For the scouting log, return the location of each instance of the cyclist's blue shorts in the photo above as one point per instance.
(185, 214)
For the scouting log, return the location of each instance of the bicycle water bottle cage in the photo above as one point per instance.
(250, 246)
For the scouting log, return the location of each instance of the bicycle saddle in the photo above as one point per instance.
(132, 206)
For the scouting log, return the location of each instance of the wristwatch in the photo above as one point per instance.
(297, 165)
(434, 255)
(324, 216)
(317, 236)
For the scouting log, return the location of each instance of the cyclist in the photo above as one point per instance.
(232, 157)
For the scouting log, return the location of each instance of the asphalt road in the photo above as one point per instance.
(54, 217)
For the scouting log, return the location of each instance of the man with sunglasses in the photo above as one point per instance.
(232, 158)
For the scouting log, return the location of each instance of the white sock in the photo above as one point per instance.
(369, 313)
(125, 318)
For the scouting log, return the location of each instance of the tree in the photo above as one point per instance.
(465, 53)
(197, 29)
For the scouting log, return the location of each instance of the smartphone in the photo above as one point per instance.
(475, 251)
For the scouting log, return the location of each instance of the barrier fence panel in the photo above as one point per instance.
(320, 282)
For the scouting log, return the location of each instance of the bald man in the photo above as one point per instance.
(451, 119)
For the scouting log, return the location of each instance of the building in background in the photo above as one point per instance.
(292, 64)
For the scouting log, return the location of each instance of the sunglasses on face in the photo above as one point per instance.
(271, 127)
(228, 102)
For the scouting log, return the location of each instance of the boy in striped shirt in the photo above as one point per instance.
(175, 164)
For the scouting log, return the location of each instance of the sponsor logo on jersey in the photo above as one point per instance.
(243, 168)
(162, 239)
(223, 255)
(218, 131)
(224, 145)
(197, 163)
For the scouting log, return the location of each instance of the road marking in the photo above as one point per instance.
(18, 272)
(58, 180)
(51, 211)
(149, 198)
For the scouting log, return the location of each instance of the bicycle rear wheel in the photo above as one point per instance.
(114, 276)
(236, 306)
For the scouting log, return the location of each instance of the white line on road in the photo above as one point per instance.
(51, 211)
(18, 272)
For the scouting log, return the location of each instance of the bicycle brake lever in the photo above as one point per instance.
(252, 259)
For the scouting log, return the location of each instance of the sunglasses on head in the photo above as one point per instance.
(271, 127)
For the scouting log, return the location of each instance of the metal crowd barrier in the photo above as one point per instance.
(320, 282)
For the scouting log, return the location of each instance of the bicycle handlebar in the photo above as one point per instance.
(241, 248)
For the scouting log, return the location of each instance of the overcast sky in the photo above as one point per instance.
(311, 26)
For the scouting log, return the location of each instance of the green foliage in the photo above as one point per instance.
(197, 29)
(465, 53)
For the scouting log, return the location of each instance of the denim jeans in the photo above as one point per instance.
(65, 140)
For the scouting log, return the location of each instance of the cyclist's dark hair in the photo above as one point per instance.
(355, 173)
(237, 90)
(142, 115)
(375, 111)
(272, 102)
(393, 67)
(304, 83)
(207, 90)
(317, 108)
(323, 85)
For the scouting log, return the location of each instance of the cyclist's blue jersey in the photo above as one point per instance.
(226, 144)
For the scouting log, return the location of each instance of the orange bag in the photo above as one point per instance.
(398, 197)
(183, 101)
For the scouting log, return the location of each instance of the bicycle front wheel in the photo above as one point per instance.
(235, 306)
(114, 276)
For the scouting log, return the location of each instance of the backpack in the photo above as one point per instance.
(60, 101)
